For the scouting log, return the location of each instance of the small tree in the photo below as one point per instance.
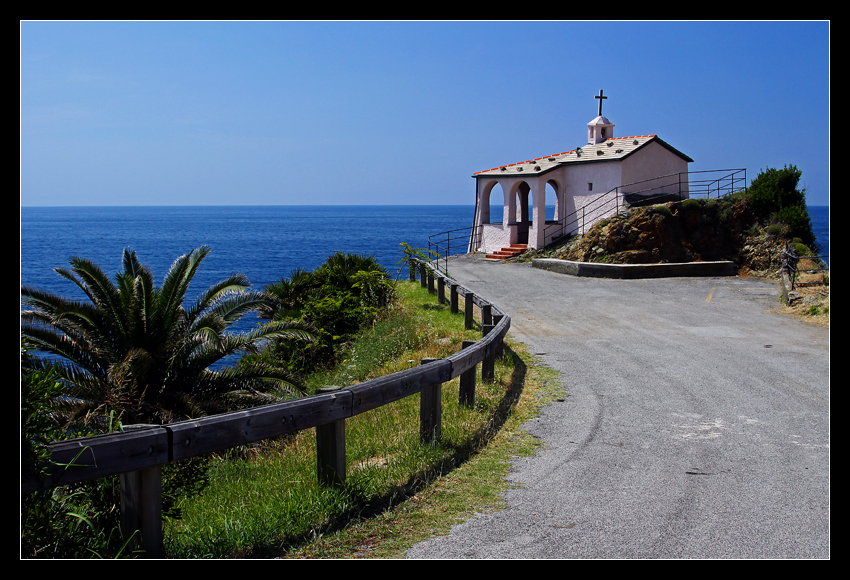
(774, 195)
(412, 255)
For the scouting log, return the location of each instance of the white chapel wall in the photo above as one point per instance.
(645, 167)
(586, 185)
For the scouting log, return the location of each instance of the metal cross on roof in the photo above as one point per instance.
(600, 97)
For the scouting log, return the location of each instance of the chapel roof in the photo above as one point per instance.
(600, 120)
(613, 149)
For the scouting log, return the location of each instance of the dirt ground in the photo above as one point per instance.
(809, 300)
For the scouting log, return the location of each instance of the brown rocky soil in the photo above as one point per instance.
(809, 300)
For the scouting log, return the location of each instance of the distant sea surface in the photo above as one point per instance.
(819, 215)
(263, 242)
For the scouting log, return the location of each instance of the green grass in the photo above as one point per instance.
(397, 490)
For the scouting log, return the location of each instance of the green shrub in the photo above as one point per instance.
(346, 293)
(775, 230)
(78, 521)
(691, 204)
(662, 210)
(800, 249)
(774, 194)
(815, 310)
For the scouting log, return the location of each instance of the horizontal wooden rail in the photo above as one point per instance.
(145, 448)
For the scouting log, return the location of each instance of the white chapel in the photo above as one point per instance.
(585, 185)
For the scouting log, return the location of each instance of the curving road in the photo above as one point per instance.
(696, 423)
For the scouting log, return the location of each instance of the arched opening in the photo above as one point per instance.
(552, 201)
(522, 211)
(523, 203)
(495, 200)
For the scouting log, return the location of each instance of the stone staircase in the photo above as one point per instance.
(509, 252)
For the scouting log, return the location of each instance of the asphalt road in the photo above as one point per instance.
(696, 422)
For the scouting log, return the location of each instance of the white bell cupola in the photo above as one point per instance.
(600, 128)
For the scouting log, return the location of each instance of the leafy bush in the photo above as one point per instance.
(799, 248)
(691, 204)
(774, 195)
(79, 521)
(662, 210)
(775, 230)
(345, 294)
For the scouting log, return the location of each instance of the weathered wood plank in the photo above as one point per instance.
(141, 510)
(383, 390)
(98, 456)
(431, 410)
(453, 296)
(330, 447)
(208, 434)
(467, 358)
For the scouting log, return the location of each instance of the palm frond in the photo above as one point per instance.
(256, 378)
(173, 290)
(232, 284)
(133, 350)
(99, 288)
(232, 306)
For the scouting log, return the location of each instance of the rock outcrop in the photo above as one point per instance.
(682, 231)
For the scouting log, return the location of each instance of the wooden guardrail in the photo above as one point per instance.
(138, 453)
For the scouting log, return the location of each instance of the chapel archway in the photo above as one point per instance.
(495, 202)
(552, 201)
(519, 210)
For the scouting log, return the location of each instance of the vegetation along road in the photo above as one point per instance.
(695, 422)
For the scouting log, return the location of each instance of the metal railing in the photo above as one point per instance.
(729, 181)
(792, 259)
(719, 182)
(451, 242)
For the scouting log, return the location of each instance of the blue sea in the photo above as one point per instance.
(819, 215)
(263, 242)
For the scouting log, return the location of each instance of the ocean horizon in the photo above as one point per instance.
(263, 242)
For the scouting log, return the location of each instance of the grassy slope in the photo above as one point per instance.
(398, 491)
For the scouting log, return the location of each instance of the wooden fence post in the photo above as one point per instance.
(467, 310)
(430, 281)
(488, 365)
(423, 278)
(441, 290)
(466, 393)
(330, 448)
(141, 506)
(453, 297)
(496, 319)
(430, 410)
(412, 266)
(486, 314)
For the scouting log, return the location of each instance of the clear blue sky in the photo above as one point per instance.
(256, 113)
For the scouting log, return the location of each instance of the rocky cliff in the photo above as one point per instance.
(683, 231)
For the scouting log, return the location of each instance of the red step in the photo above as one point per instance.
(509, 252)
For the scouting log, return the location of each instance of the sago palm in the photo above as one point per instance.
(134, 351)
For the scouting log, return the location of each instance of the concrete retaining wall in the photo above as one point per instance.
(633, 271)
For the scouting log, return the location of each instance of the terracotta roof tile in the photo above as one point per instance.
(587, 153)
